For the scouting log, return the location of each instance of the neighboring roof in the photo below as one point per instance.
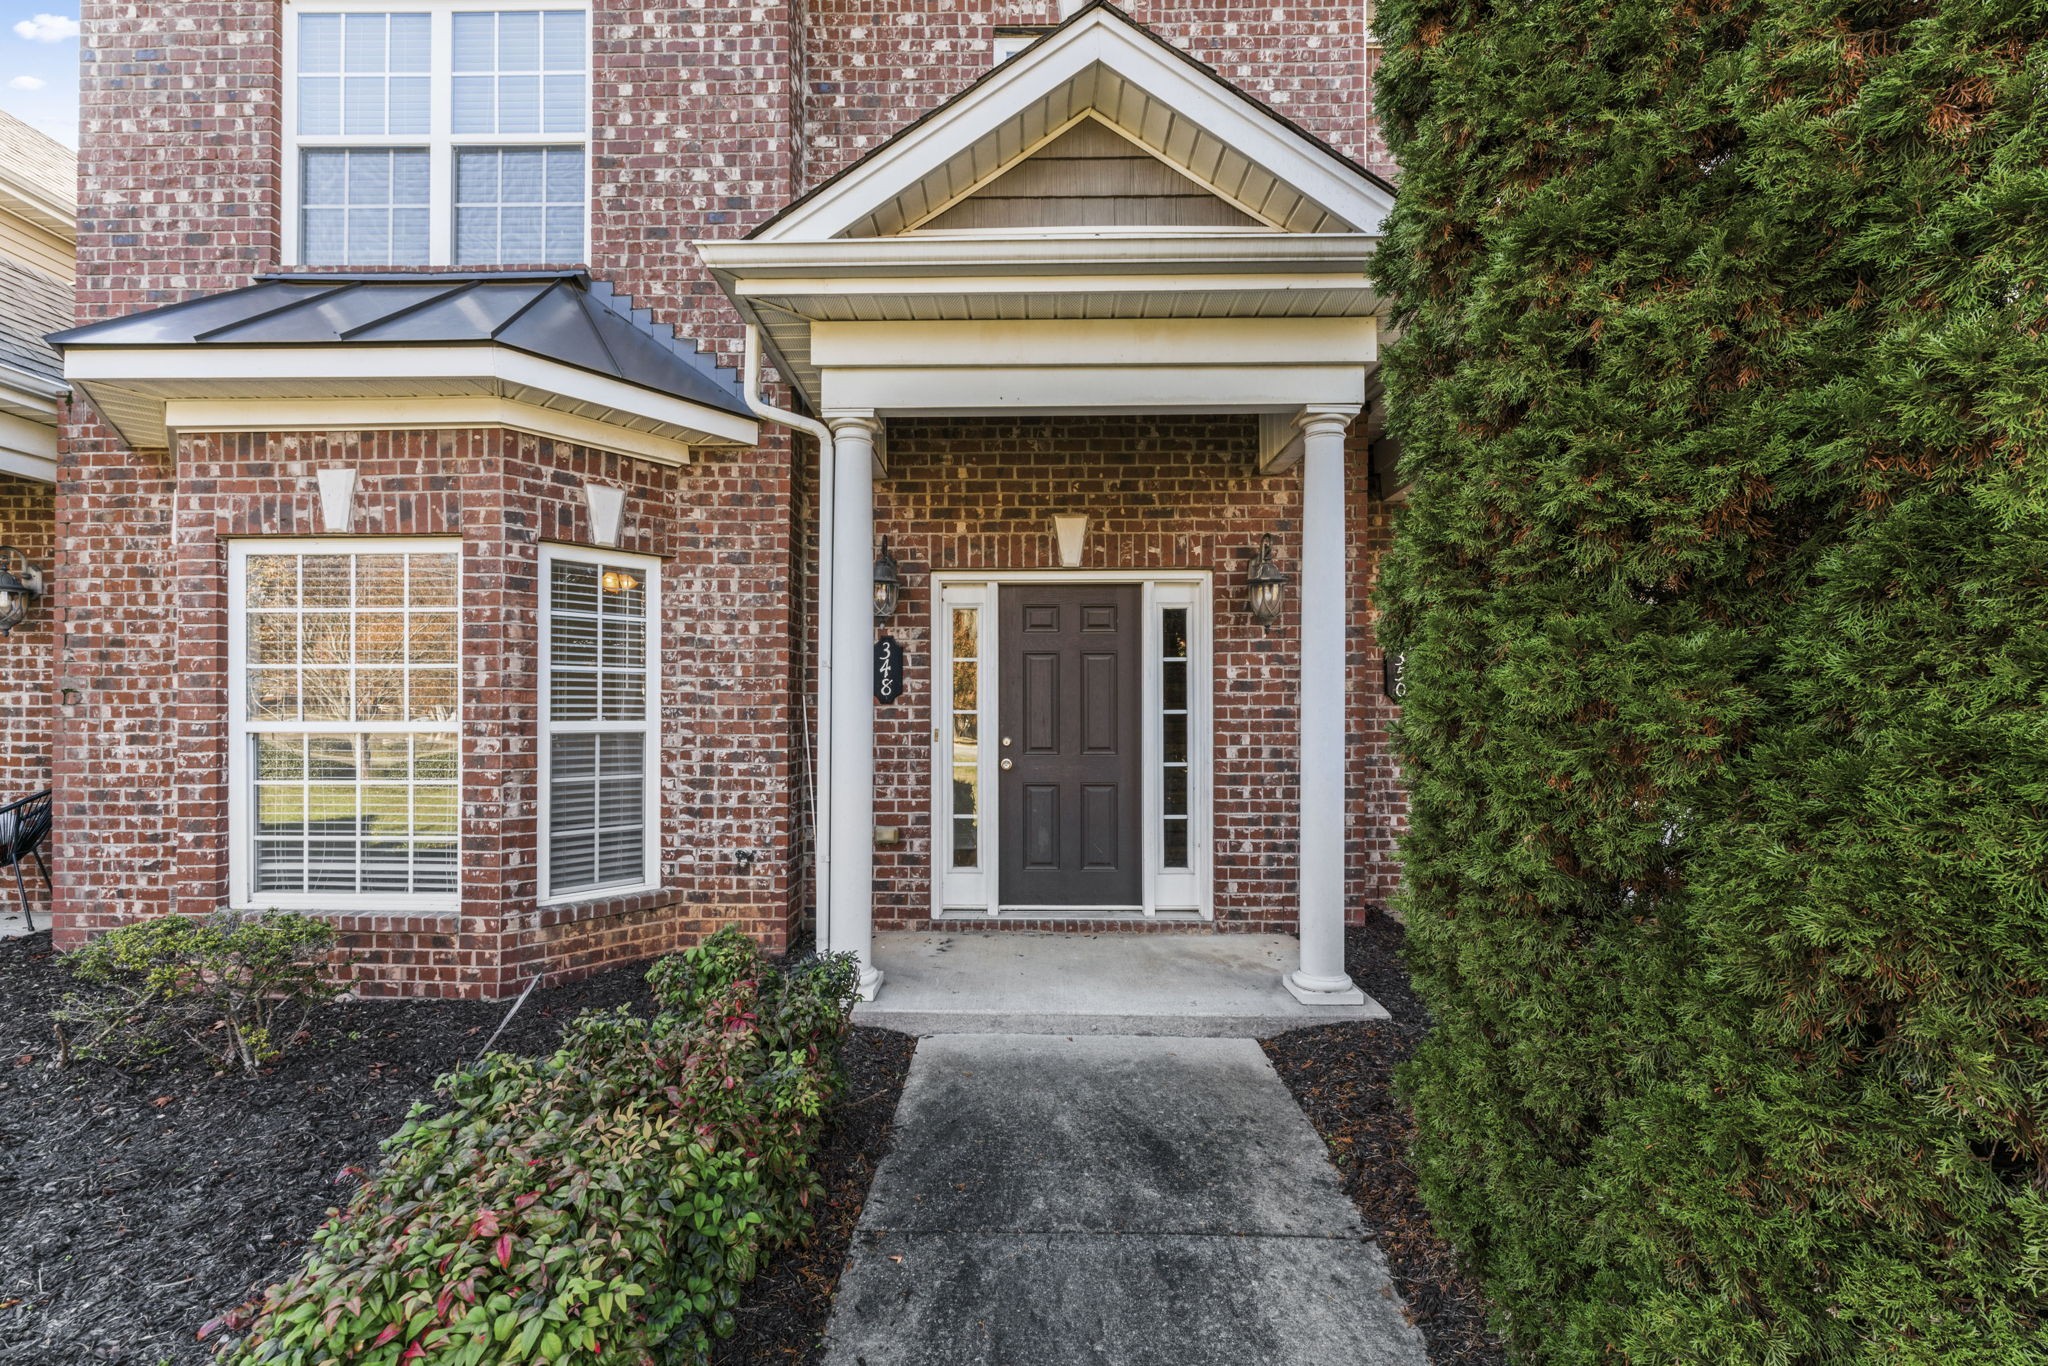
(35, 306)
(38, 177)
(560, 316)
(1007, 70)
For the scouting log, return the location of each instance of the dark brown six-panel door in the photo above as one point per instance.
(1069, 776)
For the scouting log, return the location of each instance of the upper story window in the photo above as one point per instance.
(450, 133)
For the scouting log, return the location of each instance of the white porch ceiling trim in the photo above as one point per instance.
(134, 388)
(375, 414)
(1098, 61)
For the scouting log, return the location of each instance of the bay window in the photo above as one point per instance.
(444, 133)
(600, 734)
(345, 725)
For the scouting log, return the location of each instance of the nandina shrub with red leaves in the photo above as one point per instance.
(603, 1204)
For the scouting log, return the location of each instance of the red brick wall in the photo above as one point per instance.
(696, 118)
(1173, 493)
(28, 701)
(502, 494)
(692, 115)
(875, 65)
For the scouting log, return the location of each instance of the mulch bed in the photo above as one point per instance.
(134, 1207)
(1343, 1077)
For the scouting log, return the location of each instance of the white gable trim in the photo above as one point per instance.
(1097, 38)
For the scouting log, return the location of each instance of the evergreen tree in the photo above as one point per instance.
(1723, 586)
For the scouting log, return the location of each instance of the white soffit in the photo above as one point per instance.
(1099, 63)
(146, 392)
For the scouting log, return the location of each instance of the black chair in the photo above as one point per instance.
(24, 825)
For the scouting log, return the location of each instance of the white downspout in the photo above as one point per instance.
(821, 825)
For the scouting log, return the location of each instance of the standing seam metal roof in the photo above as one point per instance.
(560, 316)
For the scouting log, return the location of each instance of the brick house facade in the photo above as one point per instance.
(720, 124)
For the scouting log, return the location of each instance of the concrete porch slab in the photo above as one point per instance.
(1010, 982)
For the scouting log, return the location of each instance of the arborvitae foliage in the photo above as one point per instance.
(1724, 591)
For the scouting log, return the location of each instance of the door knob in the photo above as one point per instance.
(1006, 765)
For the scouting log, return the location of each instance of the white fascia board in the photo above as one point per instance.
(28, 449)
(1114, 342)
(324, 369)
(1152, 253)
(32, 206)
(374, 414)
(938, 391)
(1025, 80)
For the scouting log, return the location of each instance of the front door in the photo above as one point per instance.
(1068, 773)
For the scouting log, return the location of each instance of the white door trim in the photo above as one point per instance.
(1173, 893)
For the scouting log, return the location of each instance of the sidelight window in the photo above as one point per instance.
(1173, 738)
(965, 734)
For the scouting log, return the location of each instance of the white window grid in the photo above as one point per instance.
(440, 142)
(1176, 723)
(335, 739)
(645, 729)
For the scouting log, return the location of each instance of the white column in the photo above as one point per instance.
(1325, 619)
(852, 813)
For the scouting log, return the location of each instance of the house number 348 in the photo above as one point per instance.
(888, 670)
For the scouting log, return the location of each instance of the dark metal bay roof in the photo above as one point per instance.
(561, 316)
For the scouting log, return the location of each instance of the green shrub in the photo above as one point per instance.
(604, 1204)
(234, 989)
(1723, 385)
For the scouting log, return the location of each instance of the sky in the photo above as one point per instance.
(39, 66)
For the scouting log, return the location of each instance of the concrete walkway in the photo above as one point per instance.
(1194, 985)
(1116, 1200)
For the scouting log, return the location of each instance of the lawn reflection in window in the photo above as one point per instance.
(966, 737)
(351, 716)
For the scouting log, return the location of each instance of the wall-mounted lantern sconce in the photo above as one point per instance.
(888, 583)
(20, 584)
(1263, 584)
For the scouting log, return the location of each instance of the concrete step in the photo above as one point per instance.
(1224, 986)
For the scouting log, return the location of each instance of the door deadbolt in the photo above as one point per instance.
(1006, 742)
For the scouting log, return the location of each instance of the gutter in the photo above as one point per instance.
(28, 381)
(821, 849)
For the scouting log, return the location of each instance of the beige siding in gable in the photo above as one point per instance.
(1091, 177)
(26, 244)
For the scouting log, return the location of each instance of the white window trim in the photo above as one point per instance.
(440, 140)
(650, 872)
(959, 894)
(241, 781)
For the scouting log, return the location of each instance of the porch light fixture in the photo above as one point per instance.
(1263, 584)
(20, 584)
(888, 583)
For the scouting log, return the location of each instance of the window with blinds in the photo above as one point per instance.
(447, 133)
(601, 735)
(346, 758)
